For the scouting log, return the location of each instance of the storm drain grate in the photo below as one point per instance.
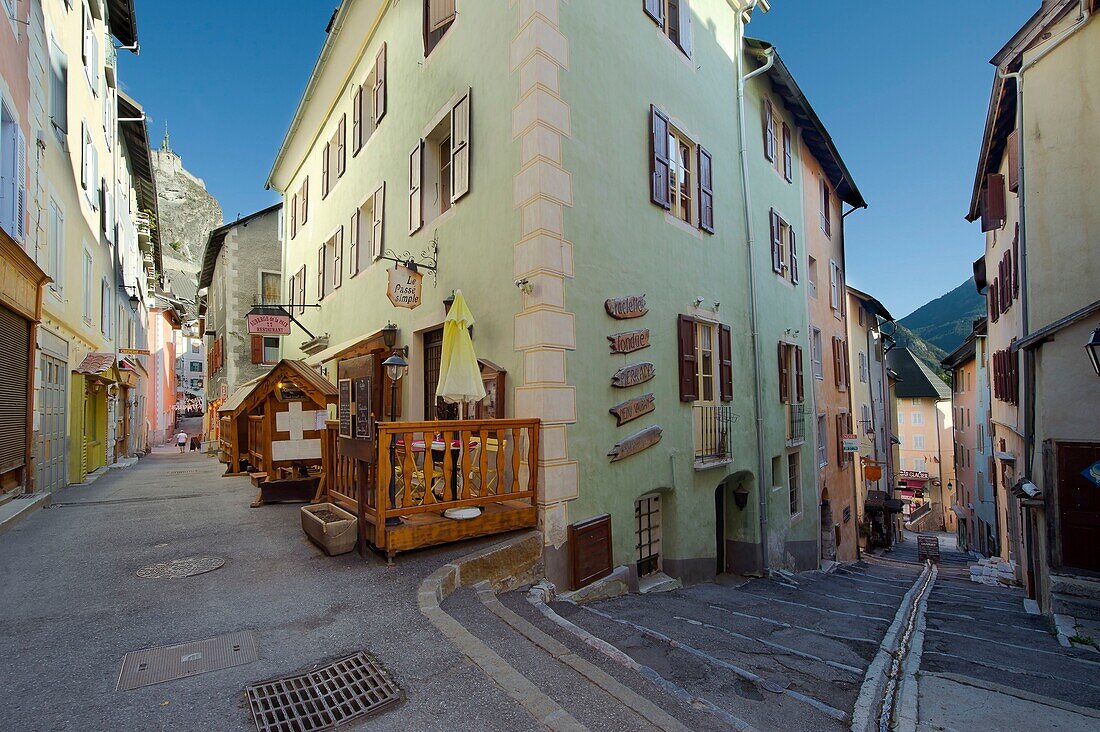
(26, 496)
(165, 663)
(182, 472)
(342, 691)
(178, 568)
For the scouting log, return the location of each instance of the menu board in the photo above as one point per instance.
(344, 407)
(363, 426)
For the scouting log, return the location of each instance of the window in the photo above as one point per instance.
(815, 354)
(794, 486)
(89, 178)
(271, 349)
(680, 169)
(1006, 380)
(301, 282)
(55, 246)
(918, 442)
(330, 258)
(105, 308)
(439, 15)
(868, 420)
(673, 17)
(835, 288)
(784, 247)
(918, 465)
(843, 427)
(704, 345)
(790, 374)
(335, 158)
(863, 367)
(195, 346)
(59, 89)
(196, 383)
(13, 176)
(841, 372)
(367, 244)
(769, 131)
(439, 166)
(811, 269)
(680, 174)
(826, 208)
(788, 161)
(699, 366)
(299, 208)
(915, 402)
(90, 51)
(271, 284)
(195, 367)
(87, 309)
(918, 419)
(822, 441)
(369, 104)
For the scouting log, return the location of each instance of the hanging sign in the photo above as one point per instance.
(630, 341)
(851, 443)
(405, 287)
(134, 351)
(872, 472)
(632, 375)
(632, 409)
(269, 321)
(623, 308)
(634, 444)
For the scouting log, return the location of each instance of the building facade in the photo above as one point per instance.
(1039, 271)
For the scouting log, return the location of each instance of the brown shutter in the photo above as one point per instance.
(357, 120)
(784, 374)
(706, 192)
(302, 290)
(1013, 147)
(338, 259)
(257, 349)
(325, 168)
(305, 202)
(725, 362)
(294, 216)
(377, 243)
(689, 367)
(837, 371)
(355, 240)
(1016, 263)
(769, 131)
(655, 9)
(341, 146)
(460, 148)
(800, 387)
(847, 365)
(777, 243)
(293, 291)
(993, 210)
(380, 85)
(994, 304)
(794, 257)
(416, 172)
(788, 162)
(321, 272)
(659, 163)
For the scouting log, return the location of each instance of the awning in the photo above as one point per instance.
(99, 366)
(333, 352)
(1004, 456)
(959, 511)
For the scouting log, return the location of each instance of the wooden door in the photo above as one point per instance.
(1079, 503)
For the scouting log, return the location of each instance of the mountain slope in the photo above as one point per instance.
(946, 321)
(930, 354)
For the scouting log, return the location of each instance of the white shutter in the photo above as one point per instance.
(416, 174)
(460, 148)
(833, 291)
(93, 172)
(685, 27)
(84, 155)
(20, 186)
(377, 244)
(440, 13)
(379, 91)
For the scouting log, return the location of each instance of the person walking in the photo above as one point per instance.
(181, 441)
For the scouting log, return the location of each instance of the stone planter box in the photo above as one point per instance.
(330, 527)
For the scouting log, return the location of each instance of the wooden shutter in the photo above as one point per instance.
(460, 148)
(294, 216)
(341, 146)
(689, 366)
(659, 163)
(655, 9)
(338, 258)
(838, 367)
(847, 365)
(994, 305)
(993, 209)
(800, 387)
(725, 362)
(1016, 263)
(440, 13)
(325, 168)
(293, 291)
(1013, 147)
(788, 162)
(321, 272)
(784, 374)
(380, 85)
(302, 290)
(357, 120)
(706, 192)
(416, 173)
(355, 241)
(769, 131)
(685, 27)
(776, 239)
(377, 244)
(305, 202)
(794, 257)
(257, 349)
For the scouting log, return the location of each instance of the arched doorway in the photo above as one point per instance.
(830, 534)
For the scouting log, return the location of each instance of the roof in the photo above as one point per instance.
(916, 380)
(131, 118)
(120, 14)
(98, 364)
(871, 303)
(967, 349)
(813, 130)
(317, 387)
(1038, 337)
(217, 238)
(1000, 118)
(240, 394)
(334, 352)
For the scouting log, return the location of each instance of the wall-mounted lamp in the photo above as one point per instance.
(389, 335)
(717, 305)
(741, 496)
(524, 286)
(698, 301)
(1092, 347)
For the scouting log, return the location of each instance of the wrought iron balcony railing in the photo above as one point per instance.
(713, 434)
(796, 423)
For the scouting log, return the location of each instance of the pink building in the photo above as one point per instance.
(164, 320)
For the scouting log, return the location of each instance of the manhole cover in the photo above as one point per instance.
(348, 689)
(156, 665)
(177, 568)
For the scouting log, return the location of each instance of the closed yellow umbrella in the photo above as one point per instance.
(459, 374)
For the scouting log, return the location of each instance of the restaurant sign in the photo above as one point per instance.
(405, 287)
(632, 409)
(851, 443)
(630, 341)
(913, 475)
(134, 351)
(268, 321)
(624, 308)
(632, 375)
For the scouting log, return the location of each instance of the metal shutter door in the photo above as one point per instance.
(15, 336)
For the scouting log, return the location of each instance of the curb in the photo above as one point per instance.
(490, 566)
(17, 509)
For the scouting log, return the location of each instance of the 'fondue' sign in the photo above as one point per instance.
(405, 287)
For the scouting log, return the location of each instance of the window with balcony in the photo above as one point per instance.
(706, 381)
(792, 391)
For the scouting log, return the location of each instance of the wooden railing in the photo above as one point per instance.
(340, 474)
(225, 436)
(256, 441)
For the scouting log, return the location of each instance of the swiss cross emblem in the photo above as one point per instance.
(1092, 473)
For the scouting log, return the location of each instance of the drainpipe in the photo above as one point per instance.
(758, 397)
(1026, 357)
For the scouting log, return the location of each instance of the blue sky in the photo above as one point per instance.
(902, 87)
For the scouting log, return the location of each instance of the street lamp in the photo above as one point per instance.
(395, 367)
(389, 335)
(1093, 349)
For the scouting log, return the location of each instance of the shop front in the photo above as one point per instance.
(91, 386)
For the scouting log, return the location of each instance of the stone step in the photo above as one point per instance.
(1078, 607)
(1075, 586)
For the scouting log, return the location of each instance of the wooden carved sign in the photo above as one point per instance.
(405, 287)
(634, 444)
(622, 308)
(630, 341)
(634, 374)
(632, 409)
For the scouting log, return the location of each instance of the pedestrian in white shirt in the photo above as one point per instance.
(181, 441)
